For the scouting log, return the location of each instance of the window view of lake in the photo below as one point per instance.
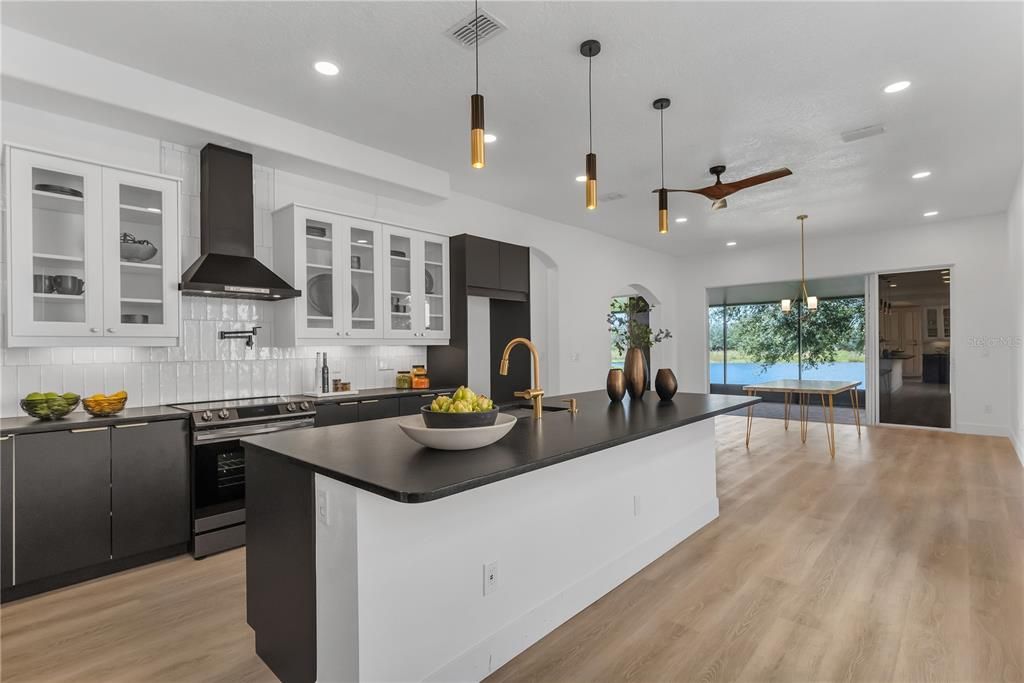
(750, 343)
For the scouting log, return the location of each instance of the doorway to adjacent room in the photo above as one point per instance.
(914, 344)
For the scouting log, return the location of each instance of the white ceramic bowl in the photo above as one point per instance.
(456, 439)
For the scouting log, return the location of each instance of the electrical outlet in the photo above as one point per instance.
(490, 578)
(636, 506)
(574, 356)
(988, 408)
(323, 510)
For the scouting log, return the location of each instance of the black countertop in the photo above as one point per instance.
(378, 457)
(83, 420)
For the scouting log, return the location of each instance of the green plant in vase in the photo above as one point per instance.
(632, 335)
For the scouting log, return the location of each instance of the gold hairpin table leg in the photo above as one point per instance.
(802, 397)
(750, 418)
(829, 413)
(785, 413)
(856, 408)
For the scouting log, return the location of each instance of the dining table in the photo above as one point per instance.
(805, 390)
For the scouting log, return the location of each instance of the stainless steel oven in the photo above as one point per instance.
(218, 462)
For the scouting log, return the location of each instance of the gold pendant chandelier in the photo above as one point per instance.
(590, 49)
(810, 302)
(476, 101)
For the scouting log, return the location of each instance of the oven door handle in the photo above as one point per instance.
(234, 433)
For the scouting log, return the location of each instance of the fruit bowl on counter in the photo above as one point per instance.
(49, 406)
(105, 405)
(460, 422)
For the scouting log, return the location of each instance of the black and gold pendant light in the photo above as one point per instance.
(476, 101)
(590, 49)
(661, 104)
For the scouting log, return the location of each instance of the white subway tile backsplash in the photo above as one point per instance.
(200, 382)
(168, 383)
(184, 382)
(74, 380)
(38, 356)
(230, 379)
(122, 355)
(150, 384)
(103, 355)
(29, 379)
(93, 380)
(216, 380)
(133, 383)
(83, 355)
(51, 379)
(141, 354)
(113, 379)
(63, 356)
(15, 357)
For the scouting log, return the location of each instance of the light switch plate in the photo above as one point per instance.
(323, 510)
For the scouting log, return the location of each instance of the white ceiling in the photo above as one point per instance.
(754, 85)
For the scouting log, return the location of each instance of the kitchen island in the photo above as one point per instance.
(370, 557)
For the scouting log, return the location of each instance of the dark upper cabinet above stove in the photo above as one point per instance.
(497, 270)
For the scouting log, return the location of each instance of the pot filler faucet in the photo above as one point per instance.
(535, 393)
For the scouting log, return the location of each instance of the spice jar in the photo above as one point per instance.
(403, 380)
(419, 377)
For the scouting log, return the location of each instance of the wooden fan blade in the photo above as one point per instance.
(723, 190)
(737, 185)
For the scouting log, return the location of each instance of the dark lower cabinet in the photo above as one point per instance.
(149, 486)
(375, 409)
(328, 414)
(410, 405)
(61, 502)
(6, 508)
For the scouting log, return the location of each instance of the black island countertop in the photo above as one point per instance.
(378, 457)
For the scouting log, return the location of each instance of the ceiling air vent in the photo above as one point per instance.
(465, 32)
(611, 196)
(861, 133)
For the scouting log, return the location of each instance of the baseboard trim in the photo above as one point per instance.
(982, 429)
(1017, 446)
(498, 649)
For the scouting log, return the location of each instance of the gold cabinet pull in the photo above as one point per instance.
(88, 429)
(129, 426)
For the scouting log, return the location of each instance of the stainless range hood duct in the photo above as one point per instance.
(227, 266)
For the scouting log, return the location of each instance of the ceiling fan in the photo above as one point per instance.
(719, 191)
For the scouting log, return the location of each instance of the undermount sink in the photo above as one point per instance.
(518, 410)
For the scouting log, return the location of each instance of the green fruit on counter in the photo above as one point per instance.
(35, 396)
(51, 394)
(70, 396)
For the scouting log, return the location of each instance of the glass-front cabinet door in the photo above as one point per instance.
(323, 234)
(141, 261)
(362, 256)
(435, 287)
(402, 317)
(55, 258)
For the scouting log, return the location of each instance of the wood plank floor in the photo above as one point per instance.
(900, 561)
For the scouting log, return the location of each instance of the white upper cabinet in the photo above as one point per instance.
(357, 280)
(141, 260)
(69, 284)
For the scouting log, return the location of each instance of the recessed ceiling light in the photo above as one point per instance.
(897, 86)
(921, 174)
(730, 244)
(929, 214)
(490, 137)
(581, 179)
(681, 220)
(327, 68)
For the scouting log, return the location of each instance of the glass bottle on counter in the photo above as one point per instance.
(420, 380)
(325, 377)
(403, 380)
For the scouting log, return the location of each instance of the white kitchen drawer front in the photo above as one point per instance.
(55, 246)
(141, 261)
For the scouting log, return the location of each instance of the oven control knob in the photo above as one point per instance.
(304, 405)
(290, 407)
(223, 413)
(206, 416)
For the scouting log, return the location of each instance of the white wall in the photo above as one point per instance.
(570, 267)
(1015, 243)
(975, 248)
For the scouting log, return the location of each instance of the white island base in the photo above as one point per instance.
(400, 588)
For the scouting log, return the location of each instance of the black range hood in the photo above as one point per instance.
(227, 266)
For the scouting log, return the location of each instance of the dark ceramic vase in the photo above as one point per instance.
(616, 384)
(665, 384)
(635, 371)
